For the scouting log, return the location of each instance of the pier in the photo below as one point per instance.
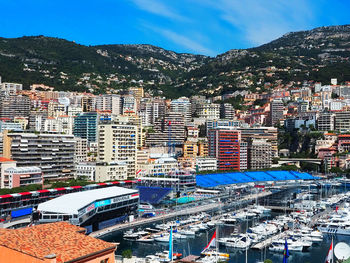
(180, 212)
(267, 242)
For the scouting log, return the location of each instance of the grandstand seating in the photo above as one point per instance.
(213, 180)
(153, 195)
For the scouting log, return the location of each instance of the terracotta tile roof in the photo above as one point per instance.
(65, 240)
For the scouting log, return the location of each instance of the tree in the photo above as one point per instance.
(268, 261)
(127, 253)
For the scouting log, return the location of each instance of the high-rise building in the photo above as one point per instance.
(259, 154)
(342, 121)
(268, 133)
(150, 110)
(85, 126)
(209, 111)
(243, 156)
(129, 104)
(168, 130)
(13, 106)
(276, 111)
(53, 153)
(227, 111)
(219, 123)
(10, 89)
(109, 102)
(325, 121)
(224, 145)
(118, 143)
(182, 105)
(81, 150)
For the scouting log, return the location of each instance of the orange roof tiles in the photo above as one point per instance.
(64, 240)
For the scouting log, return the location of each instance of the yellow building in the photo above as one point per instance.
(190, 149)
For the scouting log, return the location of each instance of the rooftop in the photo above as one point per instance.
(3, 160)
(66, 241)
(71, 203)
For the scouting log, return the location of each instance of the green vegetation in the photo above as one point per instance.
(66, 65)
(127, 253)
(72, 182)
(29, 188)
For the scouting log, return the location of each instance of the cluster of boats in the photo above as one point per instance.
(188, 228)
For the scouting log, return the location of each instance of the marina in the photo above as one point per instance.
(256, 231)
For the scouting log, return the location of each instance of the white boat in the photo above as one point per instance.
(335, 229)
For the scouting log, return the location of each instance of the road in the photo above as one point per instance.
(179, 212)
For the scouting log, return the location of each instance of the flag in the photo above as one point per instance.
(285, 252)
(329, 258)
(212, 243)
(171, 244)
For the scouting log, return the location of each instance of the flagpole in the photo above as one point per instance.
(216, 242)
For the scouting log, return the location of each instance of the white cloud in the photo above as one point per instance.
(186, 42)
(261, 21)
(158, 8)
(183, 41)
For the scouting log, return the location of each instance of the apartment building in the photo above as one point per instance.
(206, 164)
(109, 102)
(227, 111)
(259, 154)
(111, 171)
(325, 121)
(13, 106)
(81, 150)
(224, 145)
(208, 111)
(190, 149)
(52, 152)
(86, 171)
(22, 176)
(276, 111)
(118, 143)
(182, 105)
(342, 121)
(85, 126)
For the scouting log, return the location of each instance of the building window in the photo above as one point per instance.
(104, 260)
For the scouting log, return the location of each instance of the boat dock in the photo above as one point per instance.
(183, 212)
(267, 242)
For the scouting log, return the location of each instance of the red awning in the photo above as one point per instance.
(101, 183)
(60, 189)
(6, 196)
(43, 191)
(116, 182)
(76, 187)
(25, 193)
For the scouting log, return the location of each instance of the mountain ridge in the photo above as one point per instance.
(302, 55)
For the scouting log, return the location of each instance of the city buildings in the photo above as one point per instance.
(224, 145)
(276, 111)
(85, 126)
(52, 152)
(260, 154)
(118, 143)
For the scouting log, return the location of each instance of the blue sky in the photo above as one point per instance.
(205, 27)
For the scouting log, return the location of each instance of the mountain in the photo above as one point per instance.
(318, 54)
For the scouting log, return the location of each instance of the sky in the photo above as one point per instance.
(207, 27)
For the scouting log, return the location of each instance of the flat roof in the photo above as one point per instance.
(71, 203)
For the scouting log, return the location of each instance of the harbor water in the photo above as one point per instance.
(195, 245)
